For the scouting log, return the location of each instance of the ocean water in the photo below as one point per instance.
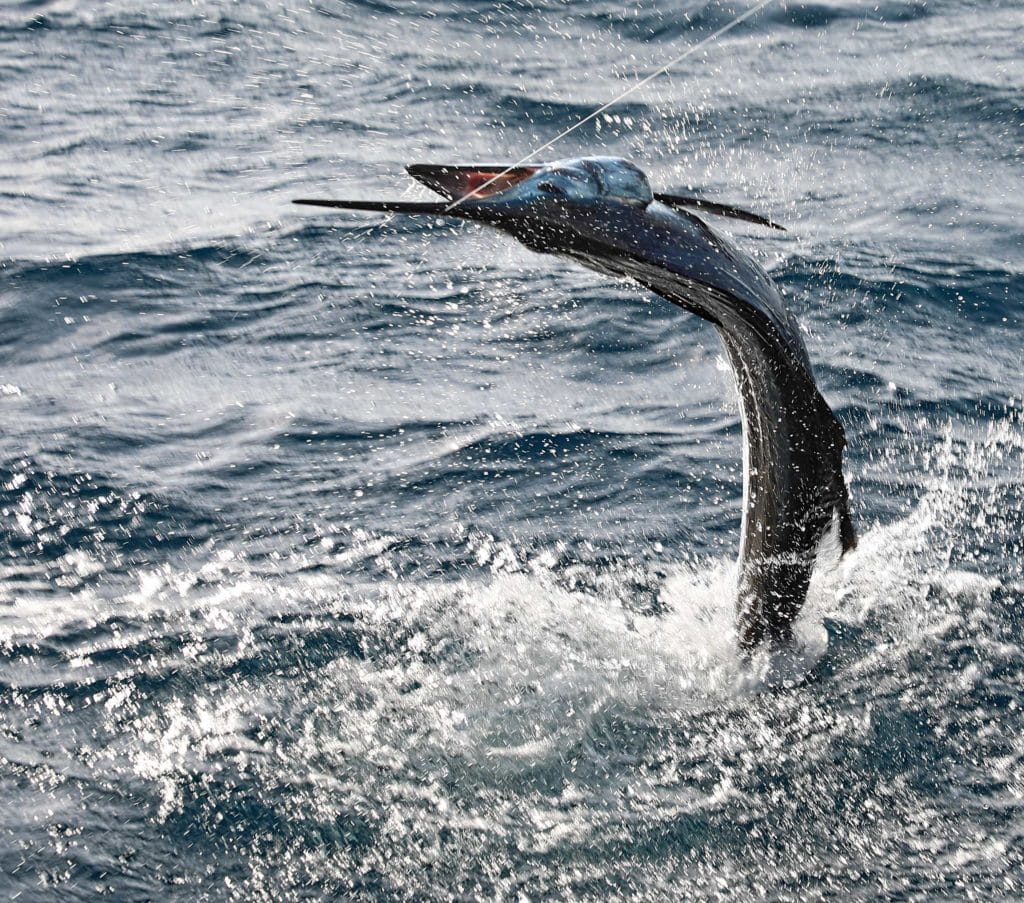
(364, 559)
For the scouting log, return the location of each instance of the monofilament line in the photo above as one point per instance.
(700, 45)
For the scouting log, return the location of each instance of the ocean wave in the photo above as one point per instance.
(478, 707)
(874, 282)
(825, 14)
(81, 524)
(382, 558)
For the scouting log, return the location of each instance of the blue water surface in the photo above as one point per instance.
(382, 559)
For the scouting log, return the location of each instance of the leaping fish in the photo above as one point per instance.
(602, 212)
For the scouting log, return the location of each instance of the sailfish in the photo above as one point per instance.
(602, 212)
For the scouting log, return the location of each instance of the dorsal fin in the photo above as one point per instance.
(679, 200)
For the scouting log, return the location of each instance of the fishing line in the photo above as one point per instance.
(700, 45)
(646, 80)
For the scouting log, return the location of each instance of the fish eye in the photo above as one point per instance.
(550, 188)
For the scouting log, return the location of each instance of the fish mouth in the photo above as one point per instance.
(461, 182)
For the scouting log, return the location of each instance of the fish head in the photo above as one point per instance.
(550, 207)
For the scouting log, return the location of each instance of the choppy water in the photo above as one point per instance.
(398, 565)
